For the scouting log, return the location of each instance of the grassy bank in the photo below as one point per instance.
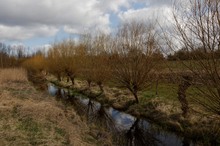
(163, 108)
(31, 117)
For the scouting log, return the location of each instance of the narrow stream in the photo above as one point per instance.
(127, 130)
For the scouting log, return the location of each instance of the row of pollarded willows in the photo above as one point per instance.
(130, 56)
(125, 59)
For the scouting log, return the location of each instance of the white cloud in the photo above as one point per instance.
(25, 19)
(160, 2)
(17, 33)
(113, 5)
(22, 19)
(100, 23)
(162, 15)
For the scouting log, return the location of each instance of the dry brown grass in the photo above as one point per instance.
(30, 117)
(13, 75)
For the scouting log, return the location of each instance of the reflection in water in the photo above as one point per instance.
(137, 136)
(126, 129)
(186, 142)
(104, 119)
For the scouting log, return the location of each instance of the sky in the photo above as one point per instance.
(36, 23)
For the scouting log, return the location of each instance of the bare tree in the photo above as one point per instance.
(83, 51)
(100, 67)
(2, 54)
(55, 62)
(6, 59)
(197, 24)
(132, 62)
(71, 66)
(94, 65)
(62, 60)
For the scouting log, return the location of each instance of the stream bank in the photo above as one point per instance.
(126, 129)
(194, 131)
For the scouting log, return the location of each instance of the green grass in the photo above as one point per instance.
(60, 131)
(29, 125)
(166, 91)
(183, 65)
(32, 129)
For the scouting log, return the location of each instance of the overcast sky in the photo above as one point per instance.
(41, 22)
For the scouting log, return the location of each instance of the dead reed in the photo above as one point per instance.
(13, 75)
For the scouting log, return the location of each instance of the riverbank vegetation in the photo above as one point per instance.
(31, 117)
(132, 68)
(171, 79)
(163, 108)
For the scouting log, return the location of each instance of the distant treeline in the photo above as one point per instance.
(14, 55)
(6, 59)
(195, 54)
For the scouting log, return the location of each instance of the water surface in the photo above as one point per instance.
(127, 130)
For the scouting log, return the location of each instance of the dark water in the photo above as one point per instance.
(126, 129)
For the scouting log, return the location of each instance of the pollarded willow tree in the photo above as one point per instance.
(70, 61)
(55, 62)
(197, 24)
(101, 69)
(62, 60)
(86, 62)
(132, 61)
(94, 59)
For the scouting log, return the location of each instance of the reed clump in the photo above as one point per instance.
(13, 75)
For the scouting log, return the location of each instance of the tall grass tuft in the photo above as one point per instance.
(13, 75)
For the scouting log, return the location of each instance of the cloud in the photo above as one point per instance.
(159, 2)
(100, 23)
(17, 33)
(161, 14)
(50, 12)
(25, 19)
(113, 5)
(22, 19)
